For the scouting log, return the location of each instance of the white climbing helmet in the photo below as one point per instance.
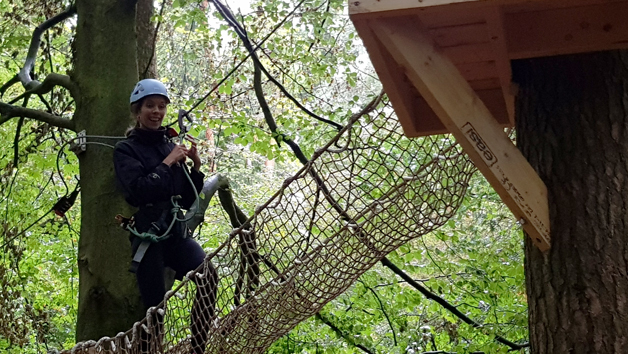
(148, 87)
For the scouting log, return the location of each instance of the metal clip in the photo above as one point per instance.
(79, 144)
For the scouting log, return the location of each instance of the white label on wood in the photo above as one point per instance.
(467, 118)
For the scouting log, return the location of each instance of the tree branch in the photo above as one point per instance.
(25, 73)
(381, 307)
(154, 44)
(451, 308)
(198, 209)
(52, 80)
(249, 255)
(8, 111)
(14, 80)
(231, 20)
(16, 140)
(342, 335)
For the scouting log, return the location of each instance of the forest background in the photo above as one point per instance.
(474, 264)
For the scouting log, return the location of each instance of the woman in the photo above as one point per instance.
(153, 175)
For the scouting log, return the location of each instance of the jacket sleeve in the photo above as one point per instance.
(140, 186)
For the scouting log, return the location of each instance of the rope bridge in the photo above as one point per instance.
(367, 192)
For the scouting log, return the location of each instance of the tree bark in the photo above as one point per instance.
(572, 125)
(105, 70)
(145, 40)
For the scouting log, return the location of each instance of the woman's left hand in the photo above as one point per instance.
(193, 155)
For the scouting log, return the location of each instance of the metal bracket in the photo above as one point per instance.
(79, 144)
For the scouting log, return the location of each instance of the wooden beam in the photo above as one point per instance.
(378, 8)
(467, 118)
(567, 31)
(495, 24)
(455, 35)
(477, 71)
(472, 53)
(372, 6)
(394, 81)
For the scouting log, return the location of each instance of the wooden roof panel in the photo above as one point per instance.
(455, 35)
(481, 37)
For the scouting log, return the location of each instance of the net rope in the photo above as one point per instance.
(364, 194)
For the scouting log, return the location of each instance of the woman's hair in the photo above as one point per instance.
(135, 110)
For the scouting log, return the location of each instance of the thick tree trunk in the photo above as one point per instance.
(572, 125)
(105, 70)
(145, 40)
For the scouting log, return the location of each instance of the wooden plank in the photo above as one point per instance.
(494, 101)
(567, 31)
(371, 6)
(525, 6)
(377, 8)
(495, 25)
(415, 115)
(485, 84)
(464, 114)
(478, 71)
(450, 36)
(428, 123)
(472, 53)
(436, 17)
(394, 81)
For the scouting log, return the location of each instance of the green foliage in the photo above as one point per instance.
(313, 55)
(474, 262)
(37, 266)
(43, 278)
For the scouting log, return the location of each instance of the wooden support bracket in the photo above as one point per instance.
(464, 114)
(495, 23)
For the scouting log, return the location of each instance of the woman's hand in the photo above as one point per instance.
(178, 154)
(193, 154)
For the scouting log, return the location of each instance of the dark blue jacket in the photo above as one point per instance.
(148, 183)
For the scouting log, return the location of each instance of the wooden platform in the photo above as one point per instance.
(445, 65)
(481, 37)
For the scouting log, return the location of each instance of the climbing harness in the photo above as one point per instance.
(160, 229)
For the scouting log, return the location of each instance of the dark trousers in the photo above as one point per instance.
(182, 255)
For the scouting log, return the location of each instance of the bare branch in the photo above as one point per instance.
(52, 80)
(381, 307)
(237, 27)
(198, 209)
(8, 111)
(451, 308)
(341, 334)
(16, 140)
(14, 80)
(25, 73)
(369, 107)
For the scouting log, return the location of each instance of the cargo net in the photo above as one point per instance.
(368, 191)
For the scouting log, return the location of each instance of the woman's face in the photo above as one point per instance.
(152, 112)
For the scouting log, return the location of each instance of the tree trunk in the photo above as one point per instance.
(105, 70)
(145, 40)
(572, 125)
